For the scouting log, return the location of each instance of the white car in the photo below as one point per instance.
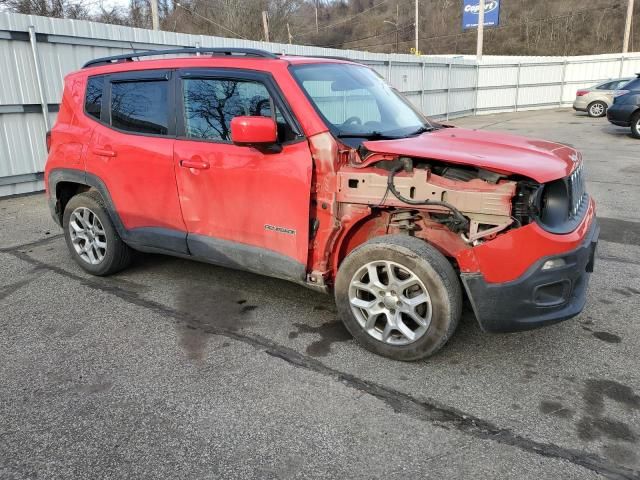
(597, 99)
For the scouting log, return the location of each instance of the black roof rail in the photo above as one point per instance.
(128, 57)
(328, 57)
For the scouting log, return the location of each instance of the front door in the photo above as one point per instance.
(243, 207)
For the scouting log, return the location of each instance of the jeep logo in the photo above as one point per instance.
(489, 6)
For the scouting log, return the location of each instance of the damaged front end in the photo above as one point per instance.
(523, 249)
(487, 221)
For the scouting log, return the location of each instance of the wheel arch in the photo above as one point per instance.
(65, 183)
(370, 226)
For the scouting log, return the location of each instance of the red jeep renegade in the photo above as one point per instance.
(316, 171)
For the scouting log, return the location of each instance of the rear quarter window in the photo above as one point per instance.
(93, 97)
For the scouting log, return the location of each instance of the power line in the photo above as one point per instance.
(303, 34)
(210, 21)
(400, 29)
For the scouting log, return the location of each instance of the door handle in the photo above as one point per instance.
(104, 152)
(197, 164)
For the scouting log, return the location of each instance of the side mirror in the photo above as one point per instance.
(254, 131)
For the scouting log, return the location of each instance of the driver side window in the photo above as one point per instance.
(211, 104)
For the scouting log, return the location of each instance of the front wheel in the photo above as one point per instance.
(399, 297)
(635, 125)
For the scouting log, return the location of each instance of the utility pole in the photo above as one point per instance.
(397, 25)
(265, 25)
(627, 26)
(417, 49)
(155, 20)
(316, 5)
(289, 34)
(480, 30)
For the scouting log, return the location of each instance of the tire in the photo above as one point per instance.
(635, 125)
(404, 256)
(94, 244)
(597, 109)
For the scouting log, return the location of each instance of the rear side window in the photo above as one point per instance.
(607, 86)
(93, 97)
(140, 107)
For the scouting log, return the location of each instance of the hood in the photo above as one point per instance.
(539, 160)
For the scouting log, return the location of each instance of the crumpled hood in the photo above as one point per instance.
(539, 160)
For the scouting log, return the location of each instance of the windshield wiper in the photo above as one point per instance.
(370, 135)
(423, 129)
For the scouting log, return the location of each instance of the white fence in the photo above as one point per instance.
(36, 53)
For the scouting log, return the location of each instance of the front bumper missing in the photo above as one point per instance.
(538, 297)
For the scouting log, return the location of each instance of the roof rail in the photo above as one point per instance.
(128, 57)
(328, 57)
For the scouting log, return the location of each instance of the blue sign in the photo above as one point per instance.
(471, 9)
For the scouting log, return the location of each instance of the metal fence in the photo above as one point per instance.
(36, 53)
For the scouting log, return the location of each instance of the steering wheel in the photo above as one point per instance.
(352, 121)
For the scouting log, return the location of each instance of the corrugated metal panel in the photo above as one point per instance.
(497, 98)
(22, 148)
(435, 104)
(497, 76)
(19, 84)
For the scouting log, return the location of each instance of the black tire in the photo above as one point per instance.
(597, 109)
(118, 254)
(635, 125)
(435, 272)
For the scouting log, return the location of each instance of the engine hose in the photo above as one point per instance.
(460, 219)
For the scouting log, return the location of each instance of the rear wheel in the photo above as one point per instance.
(597, 109)
(91, 238)
(399, 297)
(635, 125)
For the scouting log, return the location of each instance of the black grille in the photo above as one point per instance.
(576, 190)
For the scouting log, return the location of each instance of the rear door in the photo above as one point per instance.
(243, 207)
(131, 152)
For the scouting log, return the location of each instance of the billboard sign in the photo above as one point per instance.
(471, 9)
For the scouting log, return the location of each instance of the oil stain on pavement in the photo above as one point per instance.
(220, 308)
(330, 333)
(596, 425)
(607, 337)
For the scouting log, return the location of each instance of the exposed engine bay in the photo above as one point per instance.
(474, 203)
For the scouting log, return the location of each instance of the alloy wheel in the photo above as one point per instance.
(87, 235)
(390, 302)
(597, 109)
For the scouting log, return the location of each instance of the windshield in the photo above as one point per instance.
(356, 102)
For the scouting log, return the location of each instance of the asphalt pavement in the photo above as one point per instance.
(175, 369)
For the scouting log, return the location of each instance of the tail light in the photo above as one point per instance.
(619, 93)
(48, 140)
(580, 93)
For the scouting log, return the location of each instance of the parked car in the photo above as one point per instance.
(625, 111)
(316, 171)
(597, 99)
